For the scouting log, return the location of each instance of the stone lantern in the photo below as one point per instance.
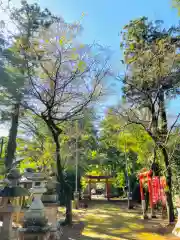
(50, 196)
(50, 201)
(35, 215)
(9, 204)
(35, 220)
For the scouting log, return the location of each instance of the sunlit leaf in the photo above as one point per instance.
(81, 66)
(62, 40)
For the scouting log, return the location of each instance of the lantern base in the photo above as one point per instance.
(24, 235)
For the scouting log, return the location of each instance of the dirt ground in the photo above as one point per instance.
(108, 220)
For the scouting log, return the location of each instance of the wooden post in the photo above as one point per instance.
(108, 190)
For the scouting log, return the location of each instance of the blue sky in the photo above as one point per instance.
(105, 19)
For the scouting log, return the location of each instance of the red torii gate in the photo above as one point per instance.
(93, 179)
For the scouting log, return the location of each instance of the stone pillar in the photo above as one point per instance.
(9, 203)
(7, 225)
(6, 213)
(76, 199)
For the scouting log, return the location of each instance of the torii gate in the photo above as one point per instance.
(94, 179)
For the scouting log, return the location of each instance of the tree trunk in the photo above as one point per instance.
(1, 148)
(154, 125)
(60, 178)
(163, 133)
(170, 207)
(163, 125)
(11, 147)
(68, 219)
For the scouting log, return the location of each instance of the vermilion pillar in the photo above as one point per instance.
(89, 187)
(107, 189)
(141, 187)
(150, 190)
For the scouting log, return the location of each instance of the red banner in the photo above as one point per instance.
(155, 189)
(162, 192)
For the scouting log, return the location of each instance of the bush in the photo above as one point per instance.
(70, 179)
(136, 195)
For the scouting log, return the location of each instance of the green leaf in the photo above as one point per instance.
(94, 154)
(62, 41)
(81, 66)
(131, 46)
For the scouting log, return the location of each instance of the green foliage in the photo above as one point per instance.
(70, 179)
(81, 135)
(132, 138)
(39, 149)
(149, 61)
(176, 4)
(16, 52)
(173, 147)
(120, 181)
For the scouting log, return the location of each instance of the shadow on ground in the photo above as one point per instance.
(104, 221)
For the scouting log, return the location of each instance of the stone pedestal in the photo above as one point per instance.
(23, 235)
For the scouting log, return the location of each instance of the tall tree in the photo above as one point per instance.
(152, 77)
(66, 81)
(29, 19)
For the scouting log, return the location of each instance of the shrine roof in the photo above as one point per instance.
(98, 177)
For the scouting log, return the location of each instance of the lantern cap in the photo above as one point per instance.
(14, 192)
